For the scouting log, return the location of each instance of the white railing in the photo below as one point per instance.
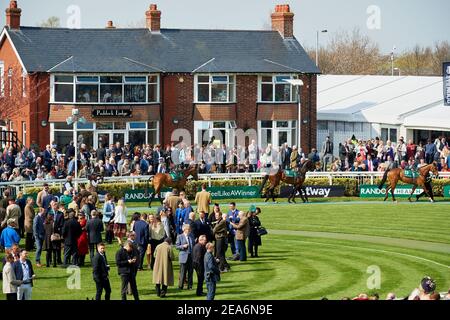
(362, 177)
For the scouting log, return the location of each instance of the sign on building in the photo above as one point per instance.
(446, 73)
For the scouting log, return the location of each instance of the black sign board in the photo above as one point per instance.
(316, 191)
(124, 113)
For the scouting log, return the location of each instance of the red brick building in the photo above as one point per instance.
(139, 85)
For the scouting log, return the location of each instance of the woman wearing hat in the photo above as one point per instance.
(83, 246)
(254, 239)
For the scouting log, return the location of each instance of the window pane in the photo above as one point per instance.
(135, 93)
(136, 137)
(384, 134)
(87, 93)
(282, 124)
(137, 125)
(152, 125)
(135, 79)
(153, 79)
(349, 126)
(267, 79)
(266, 124)
(64, 79)
(203, 92)
(204, 79)
(62, 139)
(294, 124)
(64, 92)
(282, 92)
(87, 79)
(86, 137)
(111, 79)
(267, 92)
(85, 126)
(63, 125)
(280, 79)
(152, 93)
(218, 125)
(232, 95)
(322, 125)
(219, 92)
(120, 125)
(111, 93)
(231, 79)
(340, 126)
(104, 125)
(393, 135)
(152, 136)
(219, 79)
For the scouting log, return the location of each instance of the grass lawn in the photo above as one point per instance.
(295, 264)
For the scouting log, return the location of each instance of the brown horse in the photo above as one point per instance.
(297, 182)
(161, 180)
(396, 174)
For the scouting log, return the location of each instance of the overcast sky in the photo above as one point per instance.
(402, 23)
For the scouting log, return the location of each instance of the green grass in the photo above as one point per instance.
(309, 267)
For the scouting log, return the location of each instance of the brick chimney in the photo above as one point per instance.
(13, 15)
(110, 25)
(283, 20)
(153, 19)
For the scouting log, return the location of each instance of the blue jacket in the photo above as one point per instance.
(9, 237)
(212, 272)
(232, 217)
(140, 227)
(181, 217)
(430, 148)
(184, 252)
(108, 211)
(144, 165)
(18, 271)
(38, 227)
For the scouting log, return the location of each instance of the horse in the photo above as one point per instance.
(161, 180)
(396, 174)
(297, 182)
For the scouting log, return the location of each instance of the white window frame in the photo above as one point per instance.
(24, 84)
(10, 75)
(389, 128)
(99, 83)
(24, 132)
(294, 97)
(2, 79)
(228, 83)
(293, 129)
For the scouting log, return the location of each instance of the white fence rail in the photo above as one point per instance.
(361, 177)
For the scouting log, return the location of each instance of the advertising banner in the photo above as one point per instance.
(446, 191)
(234, 192)
(401, 191)
(315, 191)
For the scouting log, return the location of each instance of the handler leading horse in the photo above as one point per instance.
(396, 174)
(161, 180)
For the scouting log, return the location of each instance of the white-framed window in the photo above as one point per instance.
(275, 88)
(389, 133)
(215, 88)
(105, 89)
(2, 79)
(24, 84)
(10, 76)
(277, 133)
(24, 133)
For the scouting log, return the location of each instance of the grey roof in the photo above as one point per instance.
(173, 50)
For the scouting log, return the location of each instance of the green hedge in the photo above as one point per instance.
(351, 186)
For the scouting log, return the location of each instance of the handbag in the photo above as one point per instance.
(262, 231)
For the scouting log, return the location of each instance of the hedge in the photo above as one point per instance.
(351, 186)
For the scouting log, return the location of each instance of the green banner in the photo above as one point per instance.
(138, 195)
(401, 191)
(446, 191)
(234, 192)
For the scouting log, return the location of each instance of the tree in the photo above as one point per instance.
(441, 54)
(52, 22)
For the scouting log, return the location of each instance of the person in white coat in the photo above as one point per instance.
(9, 279)
(120, 221)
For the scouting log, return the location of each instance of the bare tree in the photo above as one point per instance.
(441, 54)
(52, 22)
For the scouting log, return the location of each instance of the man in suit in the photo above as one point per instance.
(141, 229)
(285, 156)
(370, 164)
(212, 272)
(198, 259)
(202, 227)
(203, 200)
(185, 244)
(39, 234)
(13, 212)
(101, 152)
(58, 225)
(23, 271)
(100, 273)
(156, 155)
(70, 232)
(127, 262)
(327, 152)
(94, 228)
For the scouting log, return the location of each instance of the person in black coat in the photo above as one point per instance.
(254, 239)
(198, 260)
(100, 273)
(203, 227)
(94, 229)
(25, 289)
(127, 263)
(48, 243)
(58, 225)
(71, 232)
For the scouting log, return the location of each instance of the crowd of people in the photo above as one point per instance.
(73, 226)
(117, 160)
